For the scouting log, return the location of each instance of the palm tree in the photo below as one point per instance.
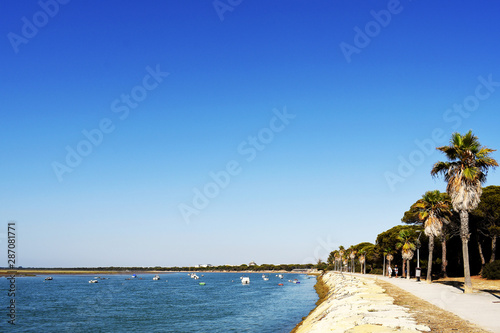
(341, 253)
(433, 209)
(362, 261)
(465, 171)
(352, 255)
(407, 248)
(336, 258)
(389, 258)
(385, 252)
(408, 255)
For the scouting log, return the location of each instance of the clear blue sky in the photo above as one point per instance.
(360, 82)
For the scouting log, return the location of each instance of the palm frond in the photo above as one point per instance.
(440, 168)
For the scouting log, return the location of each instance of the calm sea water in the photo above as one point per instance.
(176, 303)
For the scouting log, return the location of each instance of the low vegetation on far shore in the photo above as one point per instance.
(123, 270)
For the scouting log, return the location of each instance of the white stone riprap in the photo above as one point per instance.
(356, 304)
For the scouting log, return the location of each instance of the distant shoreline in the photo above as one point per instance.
(36, 272)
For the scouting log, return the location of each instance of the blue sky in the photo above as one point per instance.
(174, 91)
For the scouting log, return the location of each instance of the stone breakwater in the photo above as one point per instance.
(356, 304)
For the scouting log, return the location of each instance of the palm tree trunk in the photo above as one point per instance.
(493, 247)
(481, 255)
(403, 273)
(429, 262)
(464, 235)
(408, 269)
(444, 260)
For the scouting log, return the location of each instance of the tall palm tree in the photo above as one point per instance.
(337, 259)
(352, 255)
(407, 248)
(465, 171)
(408, 255)
(385, 253)
(433, 209)
(341, 253)
(389, 259)
(362, 261)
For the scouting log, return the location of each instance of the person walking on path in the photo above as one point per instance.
(396, 270)
(389, 271)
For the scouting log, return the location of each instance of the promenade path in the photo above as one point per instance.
(480, 308)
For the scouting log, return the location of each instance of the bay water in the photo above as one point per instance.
(175, 303)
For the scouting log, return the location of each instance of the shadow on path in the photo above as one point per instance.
(457, 284)
(460, 285)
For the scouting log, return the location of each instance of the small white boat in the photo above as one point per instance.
(266, 279)
(156, 277)
(245, 280)
(94, 281)
(280, 276)
(48, 278)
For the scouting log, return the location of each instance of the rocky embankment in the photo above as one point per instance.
(356, 304)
